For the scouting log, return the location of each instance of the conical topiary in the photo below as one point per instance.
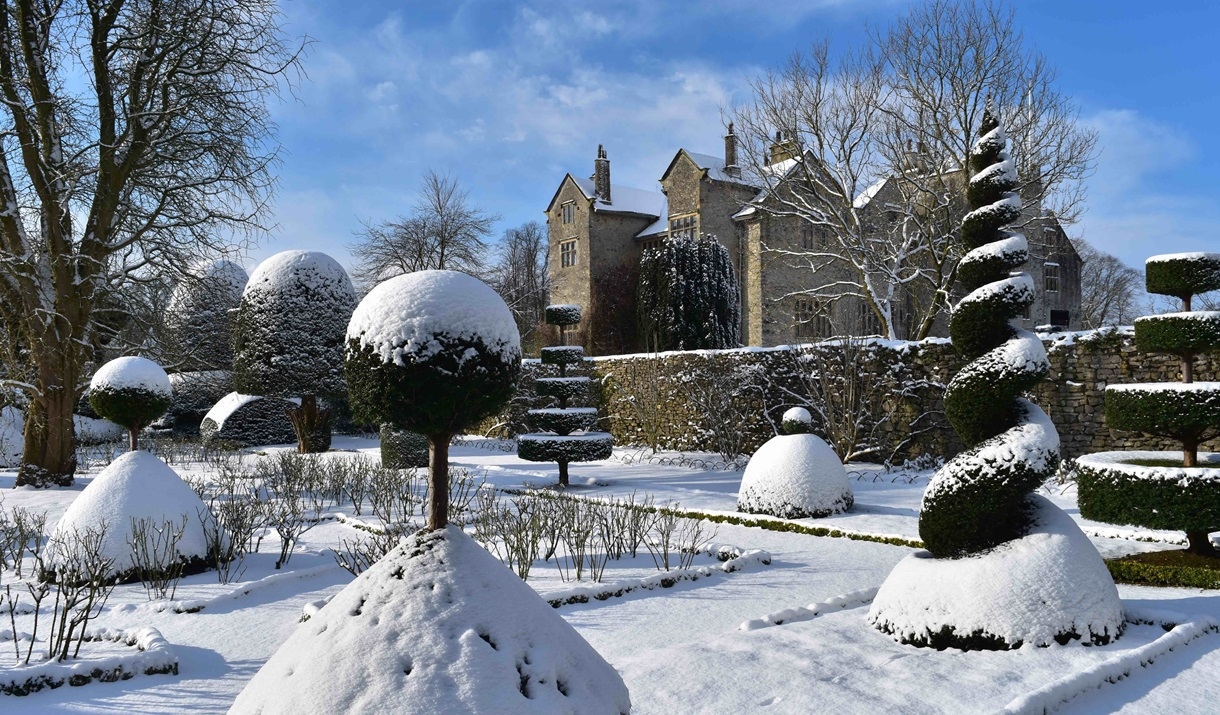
(1006, 567)
(563, 431)
(1159, 490)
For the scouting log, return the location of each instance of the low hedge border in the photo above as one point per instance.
(1146, 574)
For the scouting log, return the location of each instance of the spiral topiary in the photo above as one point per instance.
(978, 499)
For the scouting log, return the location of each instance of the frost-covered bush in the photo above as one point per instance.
(796, 420)
(562, 433)
(247, 421)
(132, 392)
(288, 337)
(432, 352)
(794, 476)
(199, 318)
(688, 296)
(978, 499)
(401, 449)
(1158, 490)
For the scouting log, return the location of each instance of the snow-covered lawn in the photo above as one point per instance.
(789, 636)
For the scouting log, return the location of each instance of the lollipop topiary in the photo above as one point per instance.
(1003, 566)
(131, 392)
(432, 352)
(1162, 490)
(563, 431)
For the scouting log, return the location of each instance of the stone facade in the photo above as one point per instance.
(597, 231)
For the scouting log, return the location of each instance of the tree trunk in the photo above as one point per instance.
(438, 489)
(312, 426)
(133, 439)
(1199, 542)
(1190, 452)
(48, 457)
(563, 474)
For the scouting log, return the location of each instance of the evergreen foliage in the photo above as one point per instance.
(131, 392)
(288, 337)
(689, 296)
(401, 449)
(1163, 497)
(200, 316)
(562, 434)
(978, 500)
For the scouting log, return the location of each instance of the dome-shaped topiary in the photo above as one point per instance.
(796, 420)
(199, 317)
(978, 499)
(288, 337)
(132, 392)
(432, 352)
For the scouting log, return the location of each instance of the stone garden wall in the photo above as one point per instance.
(721, 401)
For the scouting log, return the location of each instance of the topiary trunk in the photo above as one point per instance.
(311, 424)
(438, 485)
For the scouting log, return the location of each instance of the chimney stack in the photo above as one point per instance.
(782, 149)
(601, 175)
(730, 153)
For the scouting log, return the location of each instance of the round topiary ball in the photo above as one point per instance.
(431, 352)
(796, 420)
(130, 391)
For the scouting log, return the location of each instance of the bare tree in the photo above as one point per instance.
(872, 148)
(1109, 288)
(521, 276)
(135, 134)
(444, 231)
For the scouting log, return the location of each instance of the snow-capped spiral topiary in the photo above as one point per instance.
(138, 486)
(795, 476)
(199, 316)
(978, 499)
(130, 391)
(288, 338)
(796, 420)
(438, 625)
(1003, 566)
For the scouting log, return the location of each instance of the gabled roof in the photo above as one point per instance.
(656, 228)
(623, 199)
(713, 165)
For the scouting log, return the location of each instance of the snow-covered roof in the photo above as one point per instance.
(658, 227)
(779, 169)
(624, 199)
(867, 195)
(714, 166)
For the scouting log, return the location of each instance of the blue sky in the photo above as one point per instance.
(508, 97)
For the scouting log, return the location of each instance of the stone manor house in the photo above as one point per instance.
(597, 231)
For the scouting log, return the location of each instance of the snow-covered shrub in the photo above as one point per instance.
(136, 486)
(796, 420)
(978, 499)
(562, 433)
(132, 392)
(288, 337)
(436, 625)
(195, 393)
(1156, 489)
(402, 449)
(688, 296)
(295, 500)
(247, 421)
(432, 352)
(199, 318)
(1003, 567)
(795, 476)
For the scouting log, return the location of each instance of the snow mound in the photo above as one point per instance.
(795, 476)
(137, 485)
(403, 318)
(132, 373)
(1048, 586)
(436, 626)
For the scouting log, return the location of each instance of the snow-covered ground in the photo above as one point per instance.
(788, 636)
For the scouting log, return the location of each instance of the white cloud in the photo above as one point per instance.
(1133, 210)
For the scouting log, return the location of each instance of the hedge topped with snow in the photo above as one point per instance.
(562, 314)
(1178, 333)
(1182, 274)
(1182, 410)
(1120, 490)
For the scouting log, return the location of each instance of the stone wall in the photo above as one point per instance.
(704, 400)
